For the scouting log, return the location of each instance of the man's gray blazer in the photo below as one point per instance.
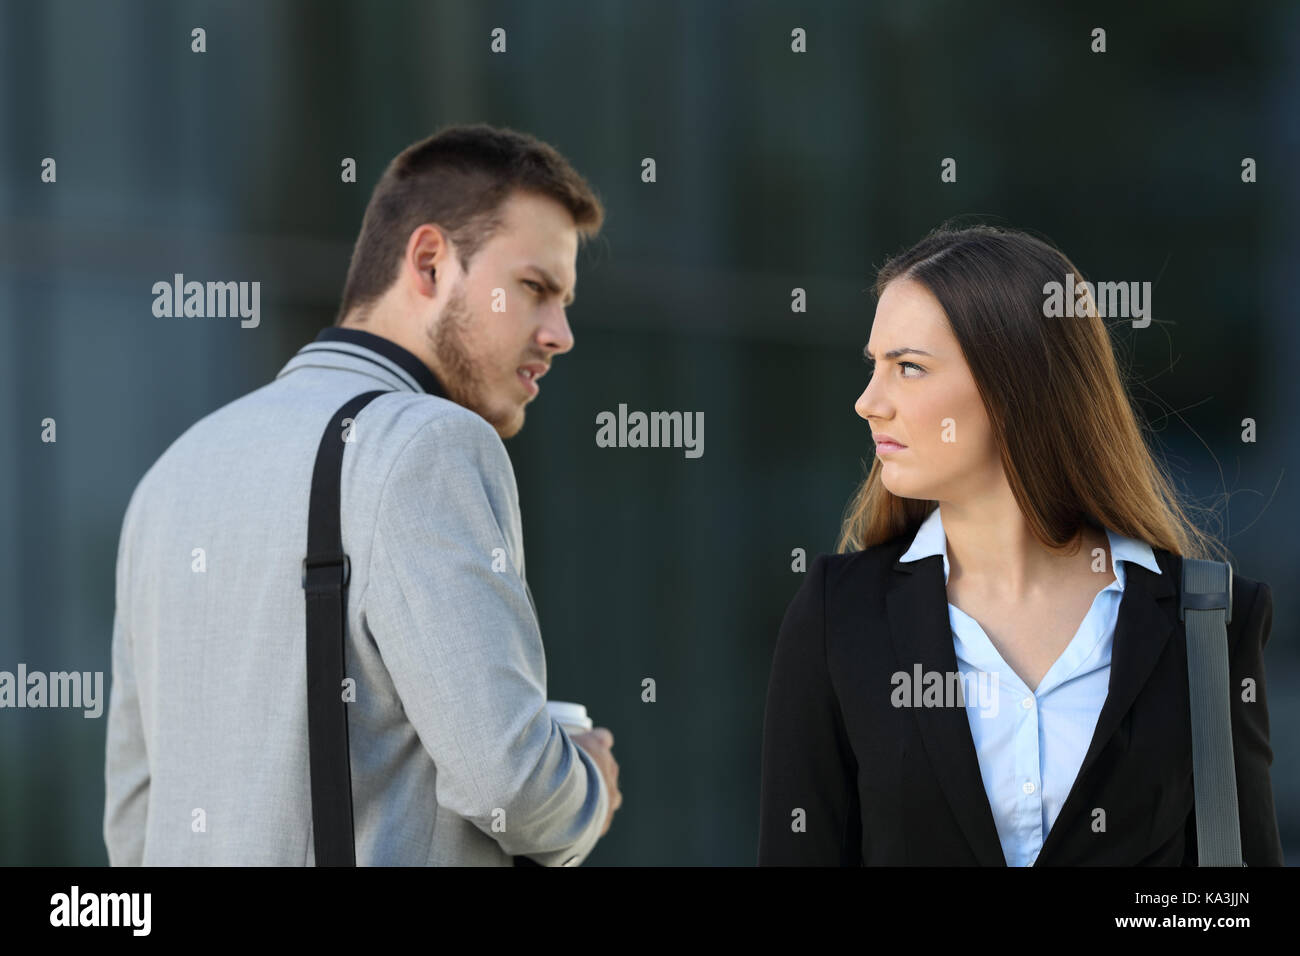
(455, 759)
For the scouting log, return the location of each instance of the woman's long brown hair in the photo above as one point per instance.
(1070, 443)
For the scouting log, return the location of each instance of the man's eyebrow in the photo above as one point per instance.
(549, 281)
(894, 353)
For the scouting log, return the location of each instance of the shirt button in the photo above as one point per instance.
(1027, 703)
(1028, 787)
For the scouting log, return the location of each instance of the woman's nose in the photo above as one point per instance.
(860, 406)
(868, 404)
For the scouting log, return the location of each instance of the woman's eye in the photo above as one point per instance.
(871, 367)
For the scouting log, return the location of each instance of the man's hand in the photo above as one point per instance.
(597, 743)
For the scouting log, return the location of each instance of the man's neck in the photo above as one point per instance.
(402, 333)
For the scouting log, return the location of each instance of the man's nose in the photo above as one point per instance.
(555, 335)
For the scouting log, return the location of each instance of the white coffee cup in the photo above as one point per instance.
(572, 717)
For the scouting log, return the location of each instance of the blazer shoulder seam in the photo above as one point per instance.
(441, 420)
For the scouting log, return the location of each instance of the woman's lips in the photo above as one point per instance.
(885, 444)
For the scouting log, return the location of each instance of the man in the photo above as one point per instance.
(454, 305)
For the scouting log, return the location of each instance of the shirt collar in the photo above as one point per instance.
(353, 348)
(930, 540)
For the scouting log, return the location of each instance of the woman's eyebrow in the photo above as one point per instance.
(894, 353)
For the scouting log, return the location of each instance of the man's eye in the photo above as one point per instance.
(537, 286)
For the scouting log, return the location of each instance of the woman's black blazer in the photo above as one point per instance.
(849, 779)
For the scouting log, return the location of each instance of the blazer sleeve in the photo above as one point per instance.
(126, 759)
(808, 804)
(451, 615)
(1260, 842)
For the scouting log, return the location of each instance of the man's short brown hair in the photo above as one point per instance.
(458, 179)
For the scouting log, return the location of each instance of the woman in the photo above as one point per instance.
(991, 670)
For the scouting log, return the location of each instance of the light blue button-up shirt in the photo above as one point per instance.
(1031, 743)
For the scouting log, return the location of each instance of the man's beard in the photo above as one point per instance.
(461, 374)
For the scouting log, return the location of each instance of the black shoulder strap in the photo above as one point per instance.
(325, 574)
(1205, 605)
